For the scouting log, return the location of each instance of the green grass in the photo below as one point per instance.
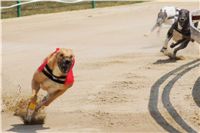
(52, 7)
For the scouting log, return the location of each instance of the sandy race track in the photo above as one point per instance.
(122, 82)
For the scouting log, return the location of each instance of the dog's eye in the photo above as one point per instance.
(71, 57)
(61, 55)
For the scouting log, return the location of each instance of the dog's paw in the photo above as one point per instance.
(180, 58)
(163, 50)
(173, 57)
(147, 34)
(170, 55)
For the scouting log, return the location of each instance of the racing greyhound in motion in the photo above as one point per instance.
(167, 15)
(180, 33)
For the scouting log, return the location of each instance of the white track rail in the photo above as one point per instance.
(195, 31)
(32, 1)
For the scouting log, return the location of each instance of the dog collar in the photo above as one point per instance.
(48, 72)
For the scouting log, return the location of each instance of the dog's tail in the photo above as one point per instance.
(152, 29)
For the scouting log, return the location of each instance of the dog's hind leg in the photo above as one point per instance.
(182, 46)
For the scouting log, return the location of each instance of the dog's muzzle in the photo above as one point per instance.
(182, 20)
(64, 65)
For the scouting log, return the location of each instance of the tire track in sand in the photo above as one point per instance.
(196, 92)
(154, 93)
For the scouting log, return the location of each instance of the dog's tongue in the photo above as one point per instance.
(41, 67)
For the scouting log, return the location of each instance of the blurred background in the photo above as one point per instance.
(44, 7)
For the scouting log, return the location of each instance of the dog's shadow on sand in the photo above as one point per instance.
(21, 128)
(169, 60)
(164, 61)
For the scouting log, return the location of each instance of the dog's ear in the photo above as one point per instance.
(180, 12)
(57, 54)
(73, 56)
(53, 56)
(188, 13)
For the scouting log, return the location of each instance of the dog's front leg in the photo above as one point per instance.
(38, 78)
(177, 43)
(35, 90)
(168, 38)
(182, 46)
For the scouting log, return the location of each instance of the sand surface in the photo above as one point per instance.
(122, 82)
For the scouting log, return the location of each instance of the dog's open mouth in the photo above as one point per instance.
(64, 65)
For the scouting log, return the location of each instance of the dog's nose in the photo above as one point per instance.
(182, 19)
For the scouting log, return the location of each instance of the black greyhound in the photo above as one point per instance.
(179, 32)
